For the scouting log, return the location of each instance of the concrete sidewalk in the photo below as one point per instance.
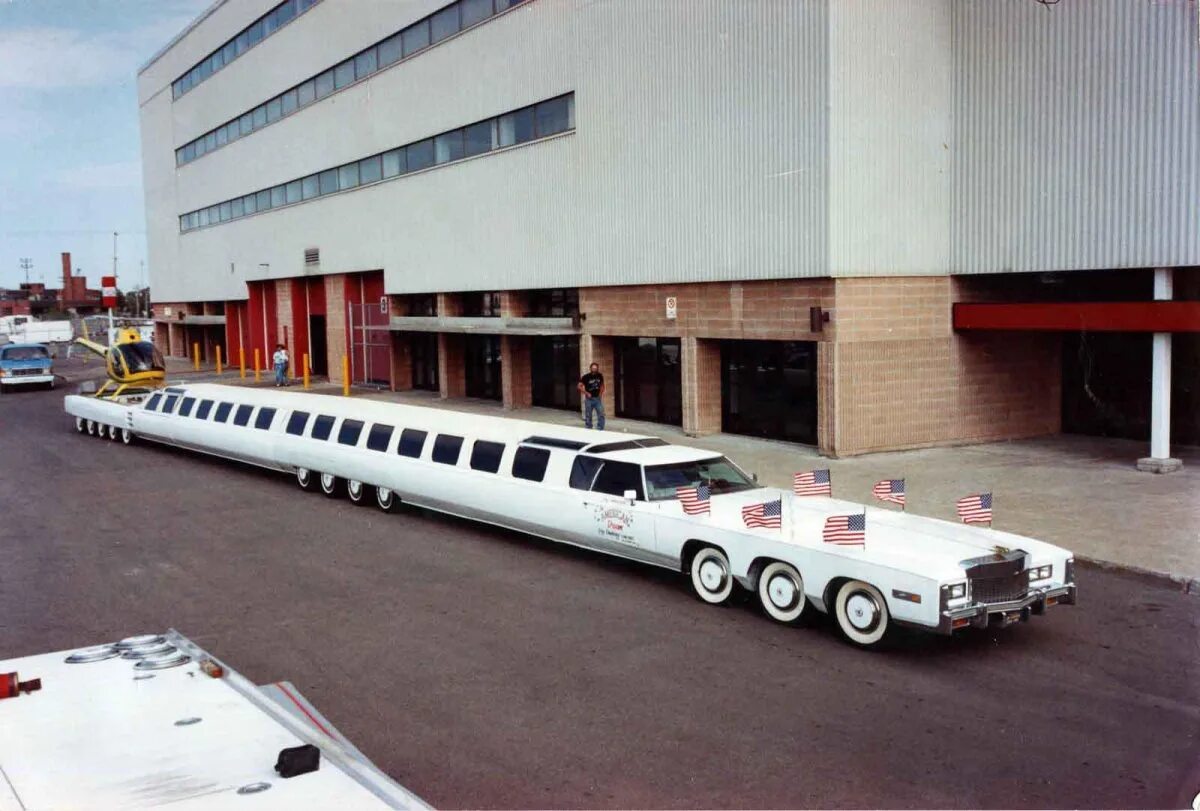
(1083, 493)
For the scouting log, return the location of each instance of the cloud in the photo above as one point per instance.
(120, 175)
(51, 57)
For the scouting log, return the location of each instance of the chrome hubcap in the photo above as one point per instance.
(862, 611)
(712, 574)
(782, 591)
(327, 481)
(385, 496)
(355, 488)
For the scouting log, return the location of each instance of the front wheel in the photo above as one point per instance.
(126, 436)
(331, 485)
(862, 613)
(357, 491)
(712, 578)
(781, 592)
(386, 499)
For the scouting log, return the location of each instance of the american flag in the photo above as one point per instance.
(768, 514)
(975, 509)
(889, 490)
(812, 483)
(694, 499)
(846, 530)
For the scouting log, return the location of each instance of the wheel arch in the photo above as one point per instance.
(691, 547)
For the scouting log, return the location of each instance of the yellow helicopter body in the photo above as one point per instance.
(134, 366)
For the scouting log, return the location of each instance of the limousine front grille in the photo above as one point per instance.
(1000, 589)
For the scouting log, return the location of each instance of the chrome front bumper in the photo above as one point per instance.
(23, 380)
(980, 615)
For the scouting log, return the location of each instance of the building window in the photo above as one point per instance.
(554, 370)
(477, 305)
(556, 303)
(241, 42)
(448, 147)
(648, 378)
(440, 25)
(530, 464)
(424, 304)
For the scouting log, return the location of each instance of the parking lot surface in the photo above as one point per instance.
(483, 668)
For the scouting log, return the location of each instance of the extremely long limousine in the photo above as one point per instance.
(619, 494)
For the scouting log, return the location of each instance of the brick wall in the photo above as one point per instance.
(700, 360)
(401, 361)
(599, 349)
(516, 372)
(284, 321)
(452, 372)
(335, 324)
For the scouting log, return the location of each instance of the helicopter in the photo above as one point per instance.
(134, 365)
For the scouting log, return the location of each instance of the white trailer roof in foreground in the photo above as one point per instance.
(107, 734)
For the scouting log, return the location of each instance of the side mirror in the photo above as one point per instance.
(755, 477)
(631, 496)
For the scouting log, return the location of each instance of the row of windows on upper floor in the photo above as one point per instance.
(244, 40)
(530, 123)
(413, 39)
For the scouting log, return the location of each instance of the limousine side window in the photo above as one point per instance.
(264, 419)
(169, 405)
(412, 442)
(202, 411)
(152, 403)
(379, 437)
(322, 426)
(530, 463)
(223, 410)
(446, 449)
(486, 455)
(185, 408)
(350, 431)
(583, 472)
(242, 417)
(296, 423)
(617, 477)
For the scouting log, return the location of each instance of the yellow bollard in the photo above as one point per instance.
(196, 356)
(307, 369)
(345, 375)
(218, 359)
(242, 360)
(256, 369)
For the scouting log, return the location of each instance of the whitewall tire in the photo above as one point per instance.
(386, 499)
(357, 491)
(862, 613)
(80, 425)
(112, 432)
(712, 577)
(331, 485)
(781, 592)
(306, 479)
(91, 427)
(126, 436)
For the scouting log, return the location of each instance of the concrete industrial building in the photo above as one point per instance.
(857, 225)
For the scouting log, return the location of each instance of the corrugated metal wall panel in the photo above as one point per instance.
(1076, 131)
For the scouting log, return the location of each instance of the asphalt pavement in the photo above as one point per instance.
(483, 668)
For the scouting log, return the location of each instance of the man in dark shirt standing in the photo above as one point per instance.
(591, 386)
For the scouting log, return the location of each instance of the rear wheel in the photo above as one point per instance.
(80, 425)
(331, 485)
(126, 436)
(91, 427)
(112, 432)
(862, 613)
(358, 492)
(712, 578)
(306, 479)
(781, 592)
(386, 499)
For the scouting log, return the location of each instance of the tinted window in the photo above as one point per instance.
(350, 431)
(485, 456)
(263, 420)
(202, 411)
(185, 408)
(415, 37)
(328, 181)
(420, 155)
(343, 74)
(617, 477)
(322, 426)
(445, 23)
(412, 442)
(478, 138)
(223, 410)
(169, 405)
(446, 449)
(152, 403)
(530, 463)
(365, 63)
(379, 437)
(296, 423)
(448, 147)
(475, 10)
(324, 84)
(583, 471)
(553, 116)
(369, 170)
(389, 50)
(516, 128)
(242, 417)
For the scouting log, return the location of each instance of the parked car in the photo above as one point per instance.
(26, 365)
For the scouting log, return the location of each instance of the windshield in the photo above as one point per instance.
(141, 357)
(721, 476)
(26, 353)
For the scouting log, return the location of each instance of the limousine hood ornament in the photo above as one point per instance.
(573, 486)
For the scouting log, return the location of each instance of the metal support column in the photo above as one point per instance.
(1159, 460)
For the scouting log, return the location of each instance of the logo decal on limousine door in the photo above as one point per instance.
(614, 523)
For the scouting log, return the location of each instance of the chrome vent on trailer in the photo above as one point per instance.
(312, 256)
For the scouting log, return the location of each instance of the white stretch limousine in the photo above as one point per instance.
(614, 493)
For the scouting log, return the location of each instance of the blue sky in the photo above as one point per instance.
(70, 166)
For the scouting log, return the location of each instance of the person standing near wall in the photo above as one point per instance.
(280, 361)
(591, 386)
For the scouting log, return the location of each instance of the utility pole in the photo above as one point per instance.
(112, 338)
(26, 265)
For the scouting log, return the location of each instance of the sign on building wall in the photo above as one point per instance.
(108, 291)
(672, 307)
(383, 308)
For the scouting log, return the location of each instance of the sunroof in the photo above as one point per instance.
(627, 445)
(555, 442)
